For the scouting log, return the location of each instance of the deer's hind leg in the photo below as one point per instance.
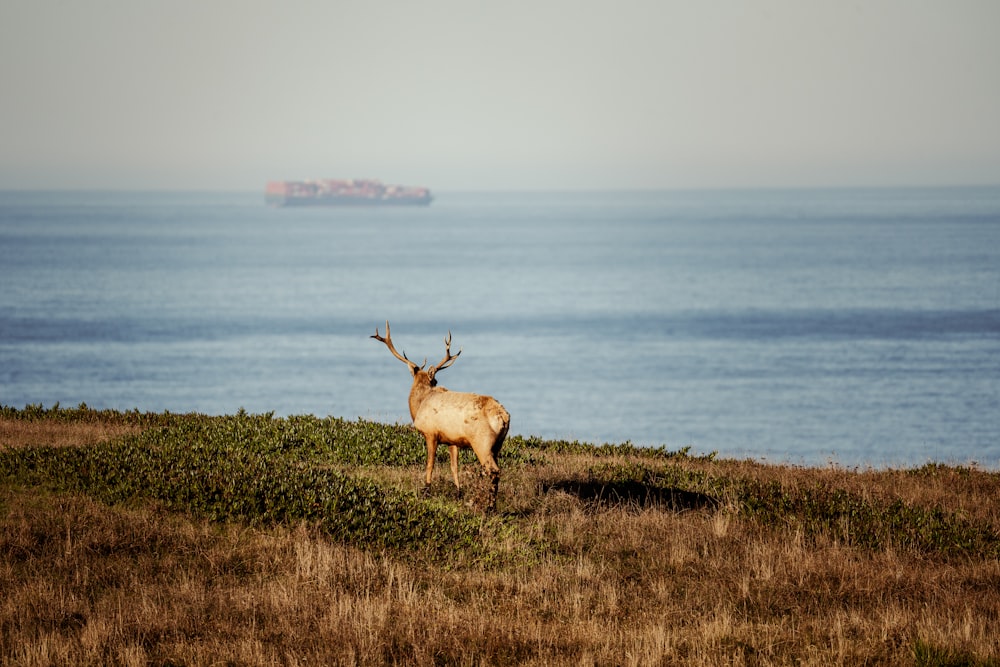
(486, 452)
(489, 483)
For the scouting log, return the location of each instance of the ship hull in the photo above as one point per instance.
(334, 192)
(273, 200)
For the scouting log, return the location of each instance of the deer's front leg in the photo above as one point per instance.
(453, 453)
(432, 447)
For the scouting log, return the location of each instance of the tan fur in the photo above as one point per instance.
(456, 419)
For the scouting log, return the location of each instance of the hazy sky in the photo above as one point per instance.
(466, 95)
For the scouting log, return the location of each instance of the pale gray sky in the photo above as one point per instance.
(463, 95)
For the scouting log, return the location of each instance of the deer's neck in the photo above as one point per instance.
(419, 392)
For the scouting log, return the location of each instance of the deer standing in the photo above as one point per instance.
(454, 418)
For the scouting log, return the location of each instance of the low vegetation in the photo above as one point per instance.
(162, 539)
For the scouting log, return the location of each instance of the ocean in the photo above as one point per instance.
(859, 327)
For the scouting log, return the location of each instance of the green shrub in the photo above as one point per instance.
(238, 469)
(872, 524)
(521, 449)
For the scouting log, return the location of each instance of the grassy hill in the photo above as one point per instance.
(138, 538)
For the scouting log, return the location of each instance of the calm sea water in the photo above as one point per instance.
(854, 326)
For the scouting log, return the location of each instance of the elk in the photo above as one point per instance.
(454, 418)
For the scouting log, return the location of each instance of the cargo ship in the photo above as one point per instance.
(337, 192)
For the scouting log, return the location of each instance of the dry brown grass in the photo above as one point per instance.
(22, 433)
(82, 583)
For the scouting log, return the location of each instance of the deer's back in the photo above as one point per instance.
(459, 417)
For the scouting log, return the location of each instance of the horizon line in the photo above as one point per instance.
(550, 190)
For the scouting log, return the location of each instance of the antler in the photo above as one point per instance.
(388, 343)
(448, 359)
